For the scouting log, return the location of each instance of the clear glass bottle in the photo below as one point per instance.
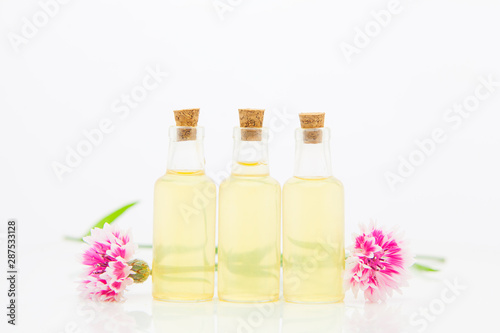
(313, 224)
(184, 222)
(249, 224)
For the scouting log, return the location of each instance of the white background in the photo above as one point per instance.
(285, 56)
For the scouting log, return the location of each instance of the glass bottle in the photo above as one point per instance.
(184, 222)
(313, 223)
(249, 223)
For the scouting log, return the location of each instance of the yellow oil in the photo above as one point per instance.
(249, 236)
(313, 240)
(184, 237)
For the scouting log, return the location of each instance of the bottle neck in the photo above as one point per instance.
(185, 152)
(250, 155)
(312, 153)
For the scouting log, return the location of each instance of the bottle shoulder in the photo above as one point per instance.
(250, 181)
(197, 178)
(313, 182)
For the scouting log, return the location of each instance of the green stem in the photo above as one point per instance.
(417, 266)
(424, 268)
(433, 258)
(74, 239)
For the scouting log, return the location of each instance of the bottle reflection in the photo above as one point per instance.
(306, 318)
(275, 317)
(183, 317)
(248, 318)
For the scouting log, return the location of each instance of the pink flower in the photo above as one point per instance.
(108, 271)
(378, 263)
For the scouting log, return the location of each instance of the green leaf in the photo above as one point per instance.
(111, 217)
(302, 244)
(424, 268)
(432, 258)
(249, 263)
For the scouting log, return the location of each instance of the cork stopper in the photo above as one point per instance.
(252, 120)
(312, 122)
(186, 118)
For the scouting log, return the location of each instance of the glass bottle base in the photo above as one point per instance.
(232, 300)
(183, 300)
(303, 301)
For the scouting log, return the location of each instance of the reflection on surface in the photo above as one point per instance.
(306, 318)
(183, 317)
(248, 318)
(375, 318)
(107, 317)
(279, 317)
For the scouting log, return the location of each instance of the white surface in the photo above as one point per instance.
(51, 299)
(281, 55)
